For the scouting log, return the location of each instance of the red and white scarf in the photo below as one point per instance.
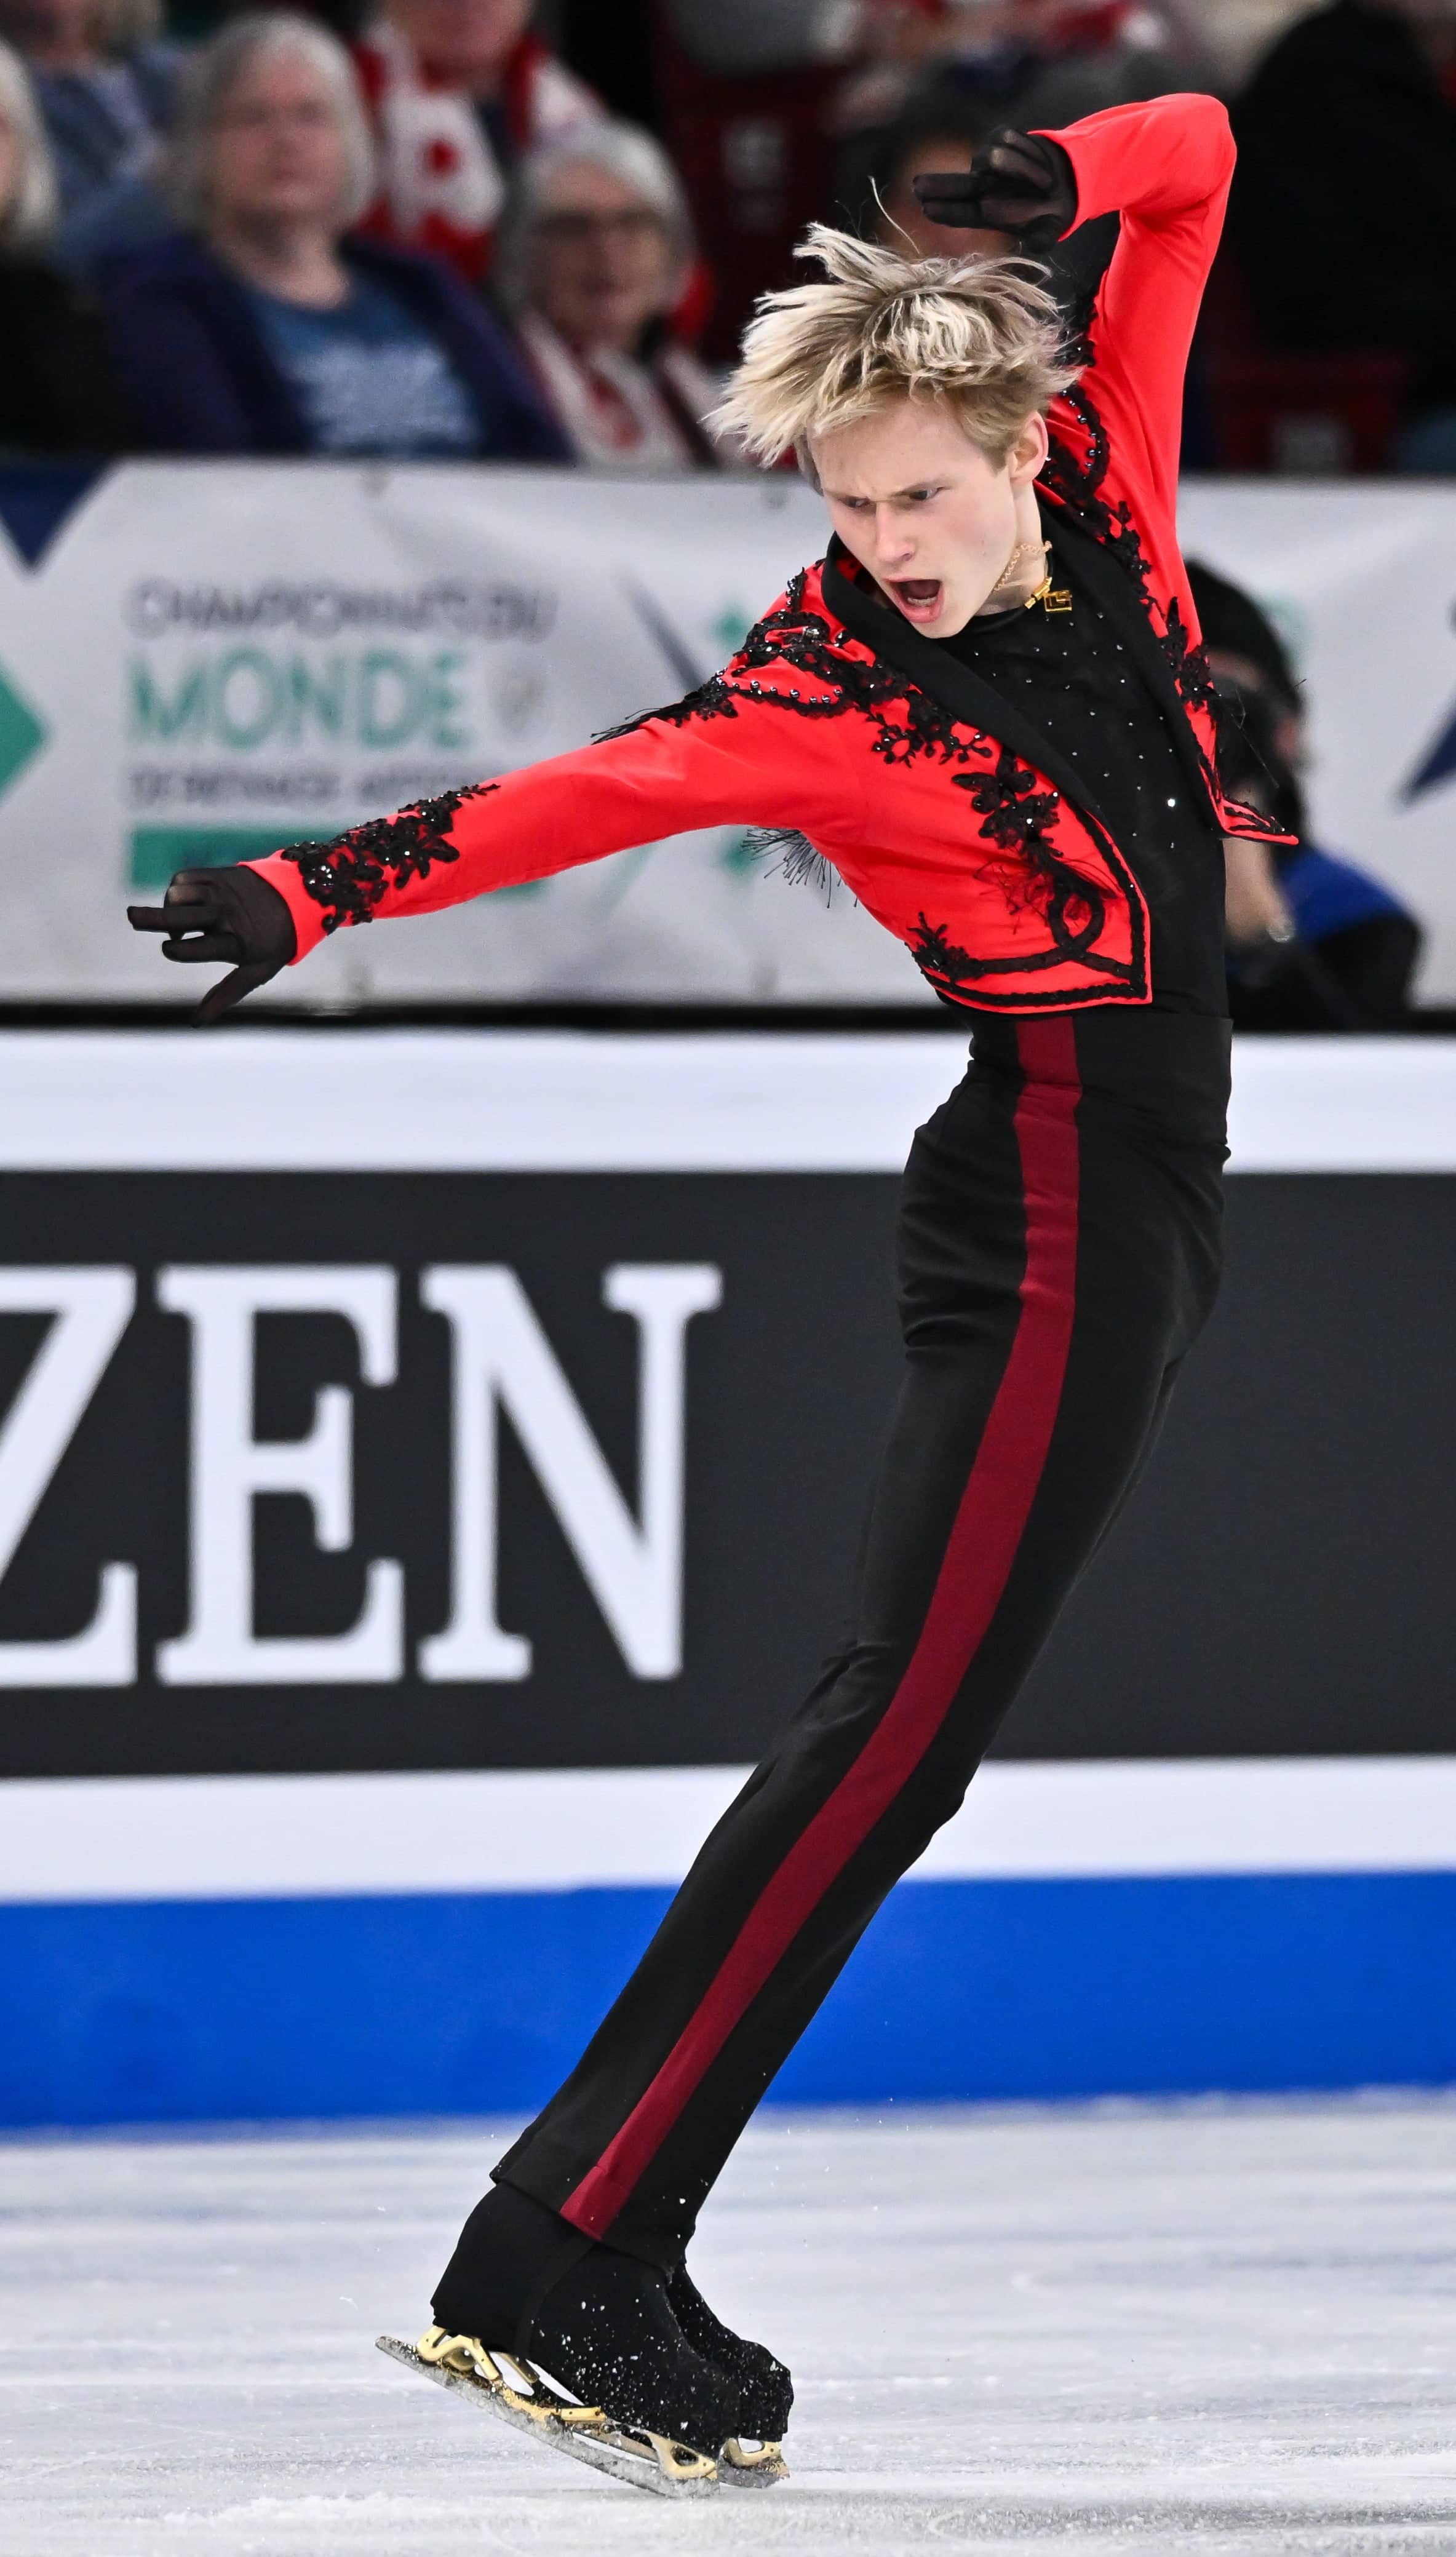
(441, 183)
(617, 414)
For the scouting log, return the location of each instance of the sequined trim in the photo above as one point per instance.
(354, 874)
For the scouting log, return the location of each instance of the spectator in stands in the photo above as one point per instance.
(1314, 943)
(1035, 60)
(900, 45)
(56, 394)
(1093, 55)
(594, 249)
(1343, 215)
(459, 91)
(745, 91)
(939, 126)
(104, 90)
(266, 328)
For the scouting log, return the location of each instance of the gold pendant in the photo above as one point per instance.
(1056, 599)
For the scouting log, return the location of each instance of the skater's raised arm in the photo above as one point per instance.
(673, 770)
(1164, 167)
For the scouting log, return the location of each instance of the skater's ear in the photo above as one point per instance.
(1027, 457)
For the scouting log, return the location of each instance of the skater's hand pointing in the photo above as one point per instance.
(1017, 182)
(228, 914)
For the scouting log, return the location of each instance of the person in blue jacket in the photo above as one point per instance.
(264, 326)
(1332, 948)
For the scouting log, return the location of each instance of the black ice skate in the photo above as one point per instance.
(766, 2389)
(600, 2370)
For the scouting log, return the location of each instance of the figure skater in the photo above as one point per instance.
(988, 709)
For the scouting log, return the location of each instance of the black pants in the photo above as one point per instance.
(1059, 1251)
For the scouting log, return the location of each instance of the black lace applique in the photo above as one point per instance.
(712, 700)
(349, 876)
(946, 965)
(1032, 877)
(813, 646)
(1077, 481)
(1188, 659)
(1193, 676)
(1191, 672)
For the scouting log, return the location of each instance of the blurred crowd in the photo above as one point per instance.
(474, 227)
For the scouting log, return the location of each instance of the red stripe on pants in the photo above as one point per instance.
(983, 1545)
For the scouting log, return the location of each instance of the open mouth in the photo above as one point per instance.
(920, 598)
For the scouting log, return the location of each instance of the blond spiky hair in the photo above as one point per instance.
(981, 333)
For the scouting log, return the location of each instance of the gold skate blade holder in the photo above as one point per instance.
(762, 2465)
(503, 2384)
(677, 2462)
(465, 2358)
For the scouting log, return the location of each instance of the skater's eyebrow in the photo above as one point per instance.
(862, 496)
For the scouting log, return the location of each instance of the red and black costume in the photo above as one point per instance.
(1059, 1232)
(937, 807)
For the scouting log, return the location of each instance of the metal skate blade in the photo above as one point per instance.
(644, 2460)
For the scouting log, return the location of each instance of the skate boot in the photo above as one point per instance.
(766, 2389)
(578, 2343)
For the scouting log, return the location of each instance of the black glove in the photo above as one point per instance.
(230, 914)
(1017, 182)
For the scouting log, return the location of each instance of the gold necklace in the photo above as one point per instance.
(1054, 599)
(1019, 552)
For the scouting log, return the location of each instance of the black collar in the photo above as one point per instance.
(948, 680)
(968, 694)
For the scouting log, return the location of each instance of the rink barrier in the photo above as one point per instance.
(1217, 1847)
(567, 1829)
(183, 1948)
(480, 2002)
(544, 1101)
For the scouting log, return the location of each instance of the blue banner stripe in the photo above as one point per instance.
(478, 2003)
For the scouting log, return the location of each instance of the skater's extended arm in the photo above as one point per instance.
(659, 778)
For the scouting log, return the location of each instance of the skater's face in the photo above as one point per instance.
(924, 511)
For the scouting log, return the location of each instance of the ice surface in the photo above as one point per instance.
(1226, 2330)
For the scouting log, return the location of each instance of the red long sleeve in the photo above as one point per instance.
(658, 780)
(1165, 166)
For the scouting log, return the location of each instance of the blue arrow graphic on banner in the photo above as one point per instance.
(39, 498)
(1439, 763)
(1440, 760)
(674, 648)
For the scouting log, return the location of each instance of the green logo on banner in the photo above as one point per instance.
(158, 850)
(22, 734)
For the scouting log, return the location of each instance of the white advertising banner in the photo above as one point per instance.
(208, 660)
